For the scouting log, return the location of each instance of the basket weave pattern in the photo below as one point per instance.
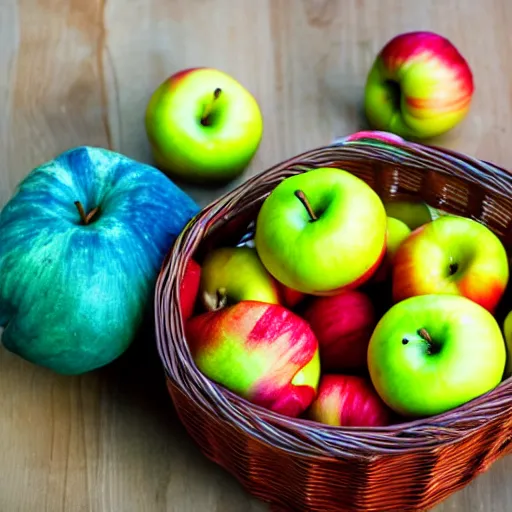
(298, 465)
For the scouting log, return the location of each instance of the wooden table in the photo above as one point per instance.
(81, 72)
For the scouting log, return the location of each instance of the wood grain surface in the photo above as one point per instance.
(76, 72)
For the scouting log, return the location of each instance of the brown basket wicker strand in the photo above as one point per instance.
(300, 465)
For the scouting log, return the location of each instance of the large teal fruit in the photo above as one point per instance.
(81, 243)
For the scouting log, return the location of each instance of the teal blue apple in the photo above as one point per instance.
(432, 353)
(81, 244)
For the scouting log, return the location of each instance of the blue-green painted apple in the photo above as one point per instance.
(81, 244)
(321, 231)
(432, 353)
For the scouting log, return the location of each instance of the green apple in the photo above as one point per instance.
(397, 232)
(321, 231)
(432, 353)
(507, 330)
(412, 213)
(232, 274)
(203, 126)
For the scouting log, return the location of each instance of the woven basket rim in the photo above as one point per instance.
(413, 435)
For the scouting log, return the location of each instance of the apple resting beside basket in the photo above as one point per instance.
(273, 390)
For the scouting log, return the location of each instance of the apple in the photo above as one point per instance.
(349, 401)
(189, 288)
(432, 353)
(263, 352)
(321, 231)
(203, 126)
(343, 325)
(290, 297)
(452, 255)
(233, 274)
(507, 330)
(419, 86)
(412, 213)
(397, 232)
(82, 241)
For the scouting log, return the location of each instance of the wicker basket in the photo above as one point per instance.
(298, 465)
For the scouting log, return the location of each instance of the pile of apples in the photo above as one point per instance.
(347, 310)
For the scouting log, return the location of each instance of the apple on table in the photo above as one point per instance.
(82, 241)
(204, 127)
(321, 231)
(419, 86)
(432, 353)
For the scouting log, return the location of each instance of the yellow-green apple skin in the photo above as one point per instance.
(419, 86)
(507, 330)
(342, 247)
(198, 134)
(432, 353)
(452, 255)
(397, 232)
(413, 214)
(263, 352)
(233, 274)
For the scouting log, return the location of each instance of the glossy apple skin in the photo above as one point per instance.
(263, 352)
(396, 233)
(73, 296)
(412, 213)
(507, 331)
(238, 271)
(189, 288)
(342, 248)
(466, 361)
(343, 325)
(290, 297)
(349, 401)
(419, 86)
(190, 151)
(422, 263)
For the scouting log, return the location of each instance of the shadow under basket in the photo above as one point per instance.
(299, 465)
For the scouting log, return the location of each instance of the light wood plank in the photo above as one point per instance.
(81, 72)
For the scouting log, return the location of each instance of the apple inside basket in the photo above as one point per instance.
(333, 327)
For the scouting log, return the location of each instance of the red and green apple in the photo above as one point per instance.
(419, 86)
(349, 401)
(263, 352)
(321, 231)
(203, 126)
(452, 255)
(432, 353)
(343, 325)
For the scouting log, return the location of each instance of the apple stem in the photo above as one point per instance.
(217, 301)
(425, 335)
(86, 217)
(299, 194)
(208, 109)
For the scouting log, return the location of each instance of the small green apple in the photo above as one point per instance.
(321, 231)
(233, 274)
(412, 213)
(397, 232)
(203, 126)
(432, 353)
